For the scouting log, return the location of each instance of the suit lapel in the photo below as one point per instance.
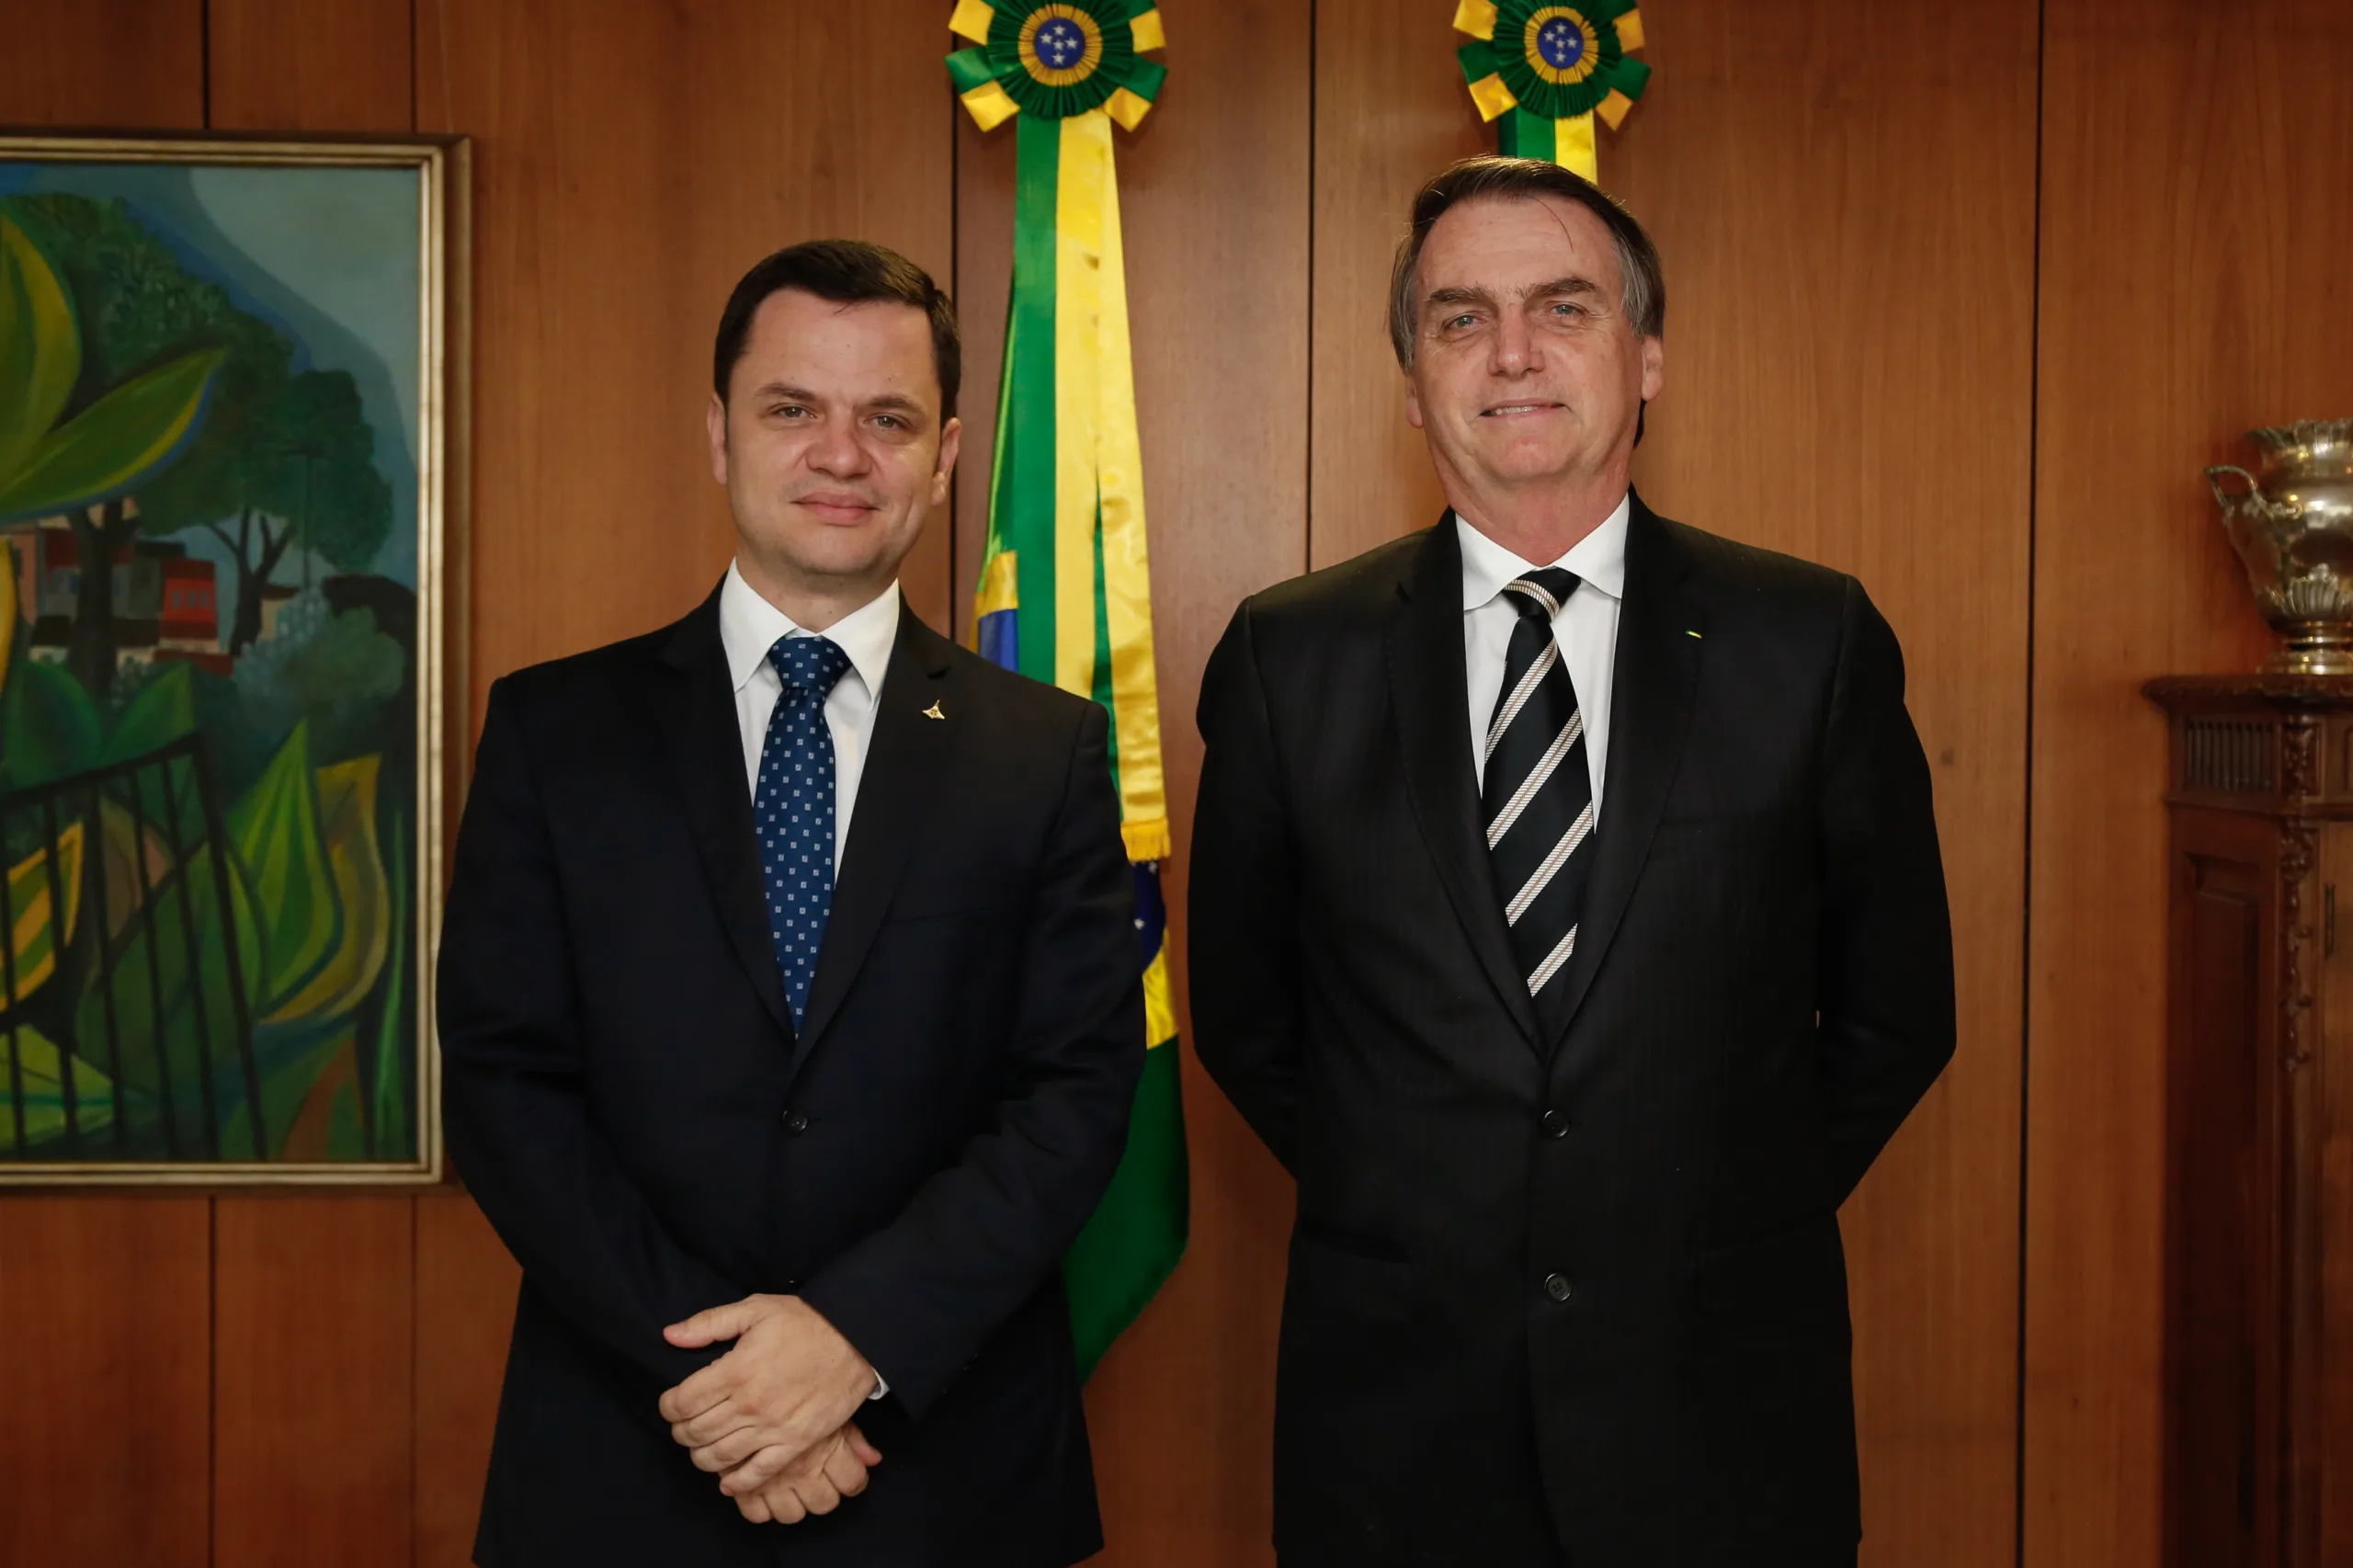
(707, 749)
(903, 762)
(1426, 681)
(1657, 672)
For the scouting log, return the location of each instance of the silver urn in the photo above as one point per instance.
(2291, 522)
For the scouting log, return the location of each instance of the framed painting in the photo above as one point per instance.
(232, 480)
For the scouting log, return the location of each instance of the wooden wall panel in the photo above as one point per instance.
(107, 1381)
(106, 1302)
(1848, 228)
(2193, 284)
(1219, 310)
(625, 174)
(295, 65)
(1390, 112)
(1215, 206)
(120, 64)
(1847, 225)
(465, 1303)
(312, 1339)
(1214, 196)
(313, 1298)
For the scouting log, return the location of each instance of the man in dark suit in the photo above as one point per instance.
(1568, 917)
(789, 997)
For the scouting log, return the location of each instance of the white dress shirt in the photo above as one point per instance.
(749, 626)
(1587, 629)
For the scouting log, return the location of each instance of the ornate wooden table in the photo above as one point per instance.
(2258, 1364)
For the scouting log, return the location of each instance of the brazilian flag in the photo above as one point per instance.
(1065, 593)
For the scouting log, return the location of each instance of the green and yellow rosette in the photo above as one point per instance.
(1543, 71)
(1057, 62)
(1064, 594)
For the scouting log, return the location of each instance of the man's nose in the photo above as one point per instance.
(1516, 351)
(838, 451)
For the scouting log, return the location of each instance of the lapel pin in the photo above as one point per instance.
(1694, 635)
(933, 711)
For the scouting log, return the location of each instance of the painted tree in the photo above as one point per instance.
(309, 482)
(138, 306)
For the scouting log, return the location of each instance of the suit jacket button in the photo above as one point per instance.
(796, 1122)
(1557, 1287)
(1556, 1124)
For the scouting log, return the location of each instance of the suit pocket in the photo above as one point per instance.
(1350, 1414)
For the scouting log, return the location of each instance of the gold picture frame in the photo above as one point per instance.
(221, 863)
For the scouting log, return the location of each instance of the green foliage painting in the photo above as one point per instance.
(210, 797)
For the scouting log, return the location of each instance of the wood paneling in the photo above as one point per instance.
(312, 1342)
(2192, 284)
(465, 1302)
(107, 1380)
(1219, 313)
(1182, 1409)
(626, 174)
(1390, 112)
(120, 64)
(312, 1297)
(1847, 226)
(296, 66)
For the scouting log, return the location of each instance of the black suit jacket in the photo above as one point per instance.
(1572, 1291)
(626, 1099)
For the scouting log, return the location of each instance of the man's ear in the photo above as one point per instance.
(1413, 402)
(951, 442)
(1653, 368)
(715, 420)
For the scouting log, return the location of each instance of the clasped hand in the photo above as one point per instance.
(771, 1418)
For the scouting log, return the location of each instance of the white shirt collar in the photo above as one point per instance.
(749, 626)
(1599, 559)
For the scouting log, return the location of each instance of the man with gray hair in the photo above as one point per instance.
(1568, 917)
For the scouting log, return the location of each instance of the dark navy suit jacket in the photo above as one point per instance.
(627, 1098)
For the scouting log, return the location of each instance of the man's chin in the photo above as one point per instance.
(1522, 465)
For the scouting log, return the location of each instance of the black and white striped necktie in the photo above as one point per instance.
(1537, 792)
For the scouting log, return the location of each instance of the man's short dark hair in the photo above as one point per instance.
(847, 272)
(1644, 286)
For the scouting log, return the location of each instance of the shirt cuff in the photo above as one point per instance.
(881, 1387)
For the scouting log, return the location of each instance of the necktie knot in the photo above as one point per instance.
(809, 665)
(1542, 591)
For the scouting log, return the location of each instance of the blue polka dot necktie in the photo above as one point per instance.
(792, 810)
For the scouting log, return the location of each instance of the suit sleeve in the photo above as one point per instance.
(515, 1103)
(920, 1297)
(1886, 985)
(1243, 902)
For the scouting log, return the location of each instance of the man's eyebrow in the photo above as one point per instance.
(894, 403)
(1569, 284)
(1572, 284)
(1459, 297)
